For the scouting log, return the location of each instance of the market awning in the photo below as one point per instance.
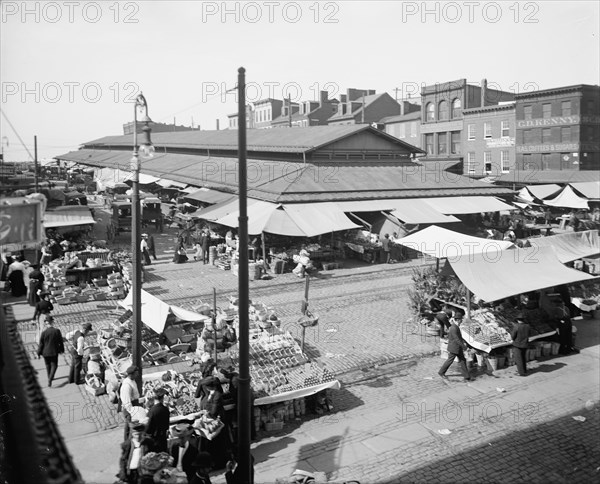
(466, 205)
(163, 182)
(542, 191)
(155, 311)
(418, 211)
(567, 198)
(443, 243)
(497, 275)
(570, 246)
(144, 179)
(209, 196)
(590, 190)
(319, 218)
(68, 216)
(216, 211)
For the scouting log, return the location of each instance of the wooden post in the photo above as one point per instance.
(468, 304)
(437, 264)
(264, 251)
(214, 321)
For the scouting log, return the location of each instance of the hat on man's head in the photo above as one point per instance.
(203, 459)
(160, 392)
(131, 370)
(137, 426)
(144, 235)
(87, 326)
(181, 429)
(458, 315)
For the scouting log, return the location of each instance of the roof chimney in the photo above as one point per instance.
(483, 91)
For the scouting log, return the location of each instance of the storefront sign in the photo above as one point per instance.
(548, 148)
(20, 222)
(499, 142)
(442, 127)
(556, 121)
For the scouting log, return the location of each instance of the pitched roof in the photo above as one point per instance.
(298, 140)
(534, 177)
(283, 181)
(401, 117)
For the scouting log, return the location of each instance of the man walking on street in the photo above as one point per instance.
(77, 339)
(50, 346)
(205, 243)
(520, 337)
(455, 349)
(43, 307)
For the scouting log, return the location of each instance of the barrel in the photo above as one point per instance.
(212, 254)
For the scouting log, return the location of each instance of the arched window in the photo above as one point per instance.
(442, 110)
(430, 109)
(456, 107)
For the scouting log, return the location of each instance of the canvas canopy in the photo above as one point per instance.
(501, 274)
(419, 211)
(590, 190)
(144, 179)
(209, 196)
(443, 243)
(68, 216)
(570, 246)
(163, 182)
(466, 205)
(567, 198)
(155, 311)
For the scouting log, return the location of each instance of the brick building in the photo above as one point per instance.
(558, 129)
(405, 126)
(442, 108)
(488, 140)
(259, 114)
(308, 113)
(156, 127)
(360, 106)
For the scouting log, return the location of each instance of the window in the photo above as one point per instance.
(565, 108)
(471, 162)
(455, 142)
(528, 112)
(504, 129)
(527, 136)
(546, 161)
(591, 106)
(527, 163)
(504, 164)
(565, 161)
(487, 130)
(546, 110)
(413, 129)
(456, 108)
(429, 144)
(565, 134)
(487, 160)
(442, 110)
(592, 133)
(546, 135)
(442, 143)
(430, 109)
(402, 130)
(471, 131)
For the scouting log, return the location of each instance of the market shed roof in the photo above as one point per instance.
(536, 177)
(292, 140)
(284, 181)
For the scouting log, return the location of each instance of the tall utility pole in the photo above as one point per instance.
(289, 99)
(244, 472)
(35, 164)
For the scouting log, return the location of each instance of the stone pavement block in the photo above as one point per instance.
(395, 439)
(79, 428)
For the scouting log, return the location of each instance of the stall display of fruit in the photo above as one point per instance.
(488, 328)
(180, 392)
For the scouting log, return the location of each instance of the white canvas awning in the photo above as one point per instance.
(144, 179)
(155, 311)
(570, 246)
(419, 211)
(443, 243)
(567, 198)
(163, 182)
(466, 205)
(590, 190)
(68, 216)
(498, 275)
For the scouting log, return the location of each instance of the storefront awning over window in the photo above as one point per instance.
(68, 217)
(443, 243)
(570, 246)
(502, 274)
(418, 211)
(466, 205)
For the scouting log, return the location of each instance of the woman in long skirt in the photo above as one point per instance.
(180, 254)
(36, 281)
(16, 278)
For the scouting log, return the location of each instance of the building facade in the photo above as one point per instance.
(406, 127)
(308, 113)
(156, 127)
(442, 108)
(364, 106)
(558, 129)
(488, 140)
(259, 115)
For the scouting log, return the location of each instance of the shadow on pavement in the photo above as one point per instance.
(559, 450)
(324, 461)
(268, 450)
(588, 333)
(547, 368)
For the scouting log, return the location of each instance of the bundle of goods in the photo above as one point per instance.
(220, 335)
(116, 285)
(488, 328)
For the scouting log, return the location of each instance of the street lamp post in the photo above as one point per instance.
(136, 228)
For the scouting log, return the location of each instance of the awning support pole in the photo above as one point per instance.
(437, 264)
(214, 322)
(468, 304)
(264, 252)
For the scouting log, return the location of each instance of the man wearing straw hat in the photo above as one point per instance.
(185, 448)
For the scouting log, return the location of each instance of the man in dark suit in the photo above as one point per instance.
(185, 450)
(43, 307)
(520, 337)
(205, 244)
(455, 349)
(158, 421)
(151, 246)
(50, 346)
